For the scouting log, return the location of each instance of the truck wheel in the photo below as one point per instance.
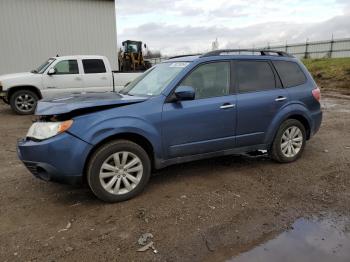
(24, 102)
(118, 171)
(289, 142)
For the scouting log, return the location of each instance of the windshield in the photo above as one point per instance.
(41, 69)
(153, 82)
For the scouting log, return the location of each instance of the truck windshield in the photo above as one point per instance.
(41, 69)
(153, 81)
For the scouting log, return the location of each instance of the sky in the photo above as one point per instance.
(190, 26)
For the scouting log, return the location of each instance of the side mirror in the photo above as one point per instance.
(185, 93)
(51, 71)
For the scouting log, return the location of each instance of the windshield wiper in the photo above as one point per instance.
(34, 71)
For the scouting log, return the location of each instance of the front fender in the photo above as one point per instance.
(100, 130)
(289, 110)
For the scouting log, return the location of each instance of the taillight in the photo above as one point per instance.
(317, 93)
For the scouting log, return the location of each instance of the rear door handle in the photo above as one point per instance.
(280, 98)
(227, 105)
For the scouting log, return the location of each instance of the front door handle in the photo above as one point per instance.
(227, 105)
(78, 78)
(280, 98)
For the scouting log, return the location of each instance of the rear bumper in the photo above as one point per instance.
(60, 159)
(316, 122)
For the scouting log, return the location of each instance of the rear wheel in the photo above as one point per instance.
(118, 171)
(289, 142)
(24, 102)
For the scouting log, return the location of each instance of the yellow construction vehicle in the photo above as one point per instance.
(131, 57)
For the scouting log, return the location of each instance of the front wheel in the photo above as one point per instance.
(289, 142)
(23, 102)
(118, 171)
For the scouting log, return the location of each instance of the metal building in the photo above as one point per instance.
(33, 30)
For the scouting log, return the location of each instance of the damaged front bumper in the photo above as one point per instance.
(60, 159)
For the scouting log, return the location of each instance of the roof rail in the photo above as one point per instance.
(179, 56)
(261, 51)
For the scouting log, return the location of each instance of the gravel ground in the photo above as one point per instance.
(202, 211)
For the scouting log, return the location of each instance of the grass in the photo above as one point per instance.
(330, 73)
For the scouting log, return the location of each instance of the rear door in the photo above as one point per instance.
(96, 77)
(260, 97)
(206, 124)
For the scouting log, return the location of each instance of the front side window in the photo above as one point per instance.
(209, 80)
(254, 76)
(290, 73)
(67, 67)
(94, 66)
(41, 69)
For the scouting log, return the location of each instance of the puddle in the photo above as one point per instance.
(309, 240)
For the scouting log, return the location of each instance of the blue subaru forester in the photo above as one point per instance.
(186, 108)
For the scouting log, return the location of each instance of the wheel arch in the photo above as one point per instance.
(298, 114)
(302, 119)
(14, 89)
(133, 137)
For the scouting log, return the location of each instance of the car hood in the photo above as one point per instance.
(85, 102)
(14, 76)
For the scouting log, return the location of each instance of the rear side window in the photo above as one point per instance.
(290, 73)
(209, 80)
(94, 66)
(255, 76)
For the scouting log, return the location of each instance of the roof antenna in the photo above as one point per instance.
(57, 55)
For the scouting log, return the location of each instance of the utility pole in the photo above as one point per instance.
(331, 48)
(306, 55)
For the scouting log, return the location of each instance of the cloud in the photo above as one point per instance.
(172, 39)
(182, 26)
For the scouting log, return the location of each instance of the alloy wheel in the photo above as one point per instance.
(291, 141)
(121, 172)
(25, 102)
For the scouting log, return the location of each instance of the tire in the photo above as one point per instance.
(279, 149)
(104, 173)
(24, 102)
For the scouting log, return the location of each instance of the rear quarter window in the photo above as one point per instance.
(290, 73)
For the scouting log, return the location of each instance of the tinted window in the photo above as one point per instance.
(290, 73)
(254, 76)
(67, 67)
(209, 80)
(93, 66)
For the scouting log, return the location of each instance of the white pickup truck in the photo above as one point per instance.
(59, 76)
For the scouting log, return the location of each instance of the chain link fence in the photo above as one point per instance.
(333, 48)
(319, 49)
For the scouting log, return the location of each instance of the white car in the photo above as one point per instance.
(59, 76)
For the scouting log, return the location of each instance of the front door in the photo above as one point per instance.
(207, 123)
(66, 79)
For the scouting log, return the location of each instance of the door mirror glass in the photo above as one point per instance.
(185, 93)
(51, 71)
